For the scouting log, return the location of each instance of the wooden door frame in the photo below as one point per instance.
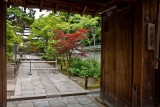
(3, 78)
(157, 75)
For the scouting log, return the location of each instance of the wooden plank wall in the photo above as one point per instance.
(138, 56)
(157, 94)
(117, 58)
(2, 54)
(143, 89)
(149, 12)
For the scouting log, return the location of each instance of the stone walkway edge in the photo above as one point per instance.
(53, 95)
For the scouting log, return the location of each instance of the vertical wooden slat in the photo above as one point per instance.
(41, 5)
(2, 53)
(157, 86)
(158, 37)
(24, 4)
(138, 56)
(123, 71)
(70, 9)
(117, 58)
(56, 8)
(148, 81)
(102, 60)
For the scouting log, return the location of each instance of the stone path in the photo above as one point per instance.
(33, 57)
(42, 82)
(71, 101)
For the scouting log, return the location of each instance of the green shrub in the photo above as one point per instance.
(89, 67)
(50, 54)
(47, 58)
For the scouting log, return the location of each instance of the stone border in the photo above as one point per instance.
(53, 95)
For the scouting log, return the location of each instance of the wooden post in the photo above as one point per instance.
(15, 60)
(56, 67)
(3, 78)
(70, 74)
(86, 81)
(61, 67)
(30, 73)
(56, 63)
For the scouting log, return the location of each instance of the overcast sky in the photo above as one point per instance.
(38, 13)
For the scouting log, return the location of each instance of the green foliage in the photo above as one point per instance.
(11, 39)
(43, 31)
(19, 18)
(16, 19)
(50, 54)
(78, 22)
(88, 67)
(43, 28)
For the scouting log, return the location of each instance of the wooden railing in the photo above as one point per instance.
(55, 65)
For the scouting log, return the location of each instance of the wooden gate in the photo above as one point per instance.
(117, 62)
(3, 78)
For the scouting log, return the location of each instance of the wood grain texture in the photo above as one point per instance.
(148, 81)
(157, 86)
(2, 54)
(117, 55)
(138, 55)
(103, 18)
(78, 6)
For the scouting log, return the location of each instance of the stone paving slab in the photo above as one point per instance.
(60, 86)
(42, 82)
(71, 101)
(33, 57)
(47, 83)
(10, 87)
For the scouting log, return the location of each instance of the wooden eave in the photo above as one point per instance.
(92, 7)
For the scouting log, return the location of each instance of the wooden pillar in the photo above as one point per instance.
(2, 53)
(148, 80)
(102, 60)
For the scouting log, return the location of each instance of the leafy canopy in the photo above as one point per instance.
(20, 18)
(16, 19)
(70, 44)
(42, 31)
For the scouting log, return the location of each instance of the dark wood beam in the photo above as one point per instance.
(129, 1)
(35, 3)
(41, 5)
(25, 4)
(95, 13)
(3, 78)
(107, 6)
(113, 3)
(84, 9)
(50, 4)
(70, 9)
(87, 2)
(56, 7)
(8, 3)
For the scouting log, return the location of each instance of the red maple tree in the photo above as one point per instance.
(70, 44)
